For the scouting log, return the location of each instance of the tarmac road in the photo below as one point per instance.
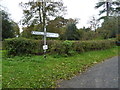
(102, 75)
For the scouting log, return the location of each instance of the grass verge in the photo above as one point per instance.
(37, 72)
(0, 66)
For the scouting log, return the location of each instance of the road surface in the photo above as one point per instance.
(102, 75)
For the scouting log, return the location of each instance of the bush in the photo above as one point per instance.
(84, 46)
(22, 46)
(118, 40)
(118, 37)
(57, 48)
(68, 47)
(62, 48)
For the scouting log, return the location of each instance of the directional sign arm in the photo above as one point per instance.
(52, 35)
(47, 34)
(37, 33)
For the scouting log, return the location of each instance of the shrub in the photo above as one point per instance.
(78, 46)
(57, 48)
(84, 46)
(62, 48)
(68, 47)
(22, 46)
(19, 46)
(118, 37)
(118, 40)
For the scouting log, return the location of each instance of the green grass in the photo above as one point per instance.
(37, 72)
(0, 67)
(0, 44)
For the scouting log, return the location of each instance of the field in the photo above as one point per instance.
(37, 72)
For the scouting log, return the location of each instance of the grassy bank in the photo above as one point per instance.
(37, 72)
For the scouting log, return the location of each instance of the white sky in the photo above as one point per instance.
(82, 9)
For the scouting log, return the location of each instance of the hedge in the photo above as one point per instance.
(118, 40)
(23, 46)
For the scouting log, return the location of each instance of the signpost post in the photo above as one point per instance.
(44, 25)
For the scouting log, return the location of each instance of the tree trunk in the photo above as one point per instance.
(107, 7)
(40, 15)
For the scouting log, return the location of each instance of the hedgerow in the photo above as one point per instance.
(118, 40)
(23, 46)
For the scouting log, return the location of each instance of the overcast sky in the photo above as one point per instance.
(82, 9)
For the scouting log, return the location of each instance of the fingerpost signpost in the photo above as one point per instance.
(45, 34)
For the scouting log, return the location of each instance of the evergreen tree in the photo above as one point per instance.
(108, 7)
(7, 28)
(71, 32)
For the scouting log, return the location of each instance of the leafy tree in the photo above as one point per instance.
(86, 29)
(103, 34)
(27, 32)
(81, 34)
(86, 34)
(16, 28)
(109, 27)
(56, 24)
(74, 21)
(36, 12)
(94, 23)
(7, 26)
(62, 34)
